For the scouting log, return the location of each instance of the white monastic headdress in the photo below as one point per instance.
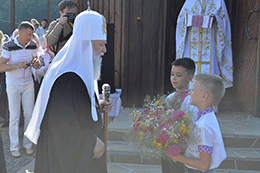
(76, 56)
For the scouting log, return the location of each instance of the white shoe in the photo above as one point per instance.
(29, 151)
(16, 153)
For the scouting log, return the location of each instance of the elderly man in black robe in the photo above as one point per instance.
(66, 124)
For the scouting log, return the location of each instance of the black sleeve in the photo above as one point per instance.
(70, 108)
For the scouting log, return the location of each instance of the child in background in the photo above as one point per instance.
(181, 74)
(45, 57)
(205, 150)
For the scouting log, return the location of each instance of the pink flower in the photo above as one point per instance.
(146, 111)
(160, 122)
(166, 127)
(136, 127)
(177, 115)
(158, 112)
(173, 151)
(163, 138)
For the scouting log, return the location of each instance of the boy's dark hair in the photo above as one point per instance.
(25, 25)
(186, 63)
(66, 4)
(45, 20)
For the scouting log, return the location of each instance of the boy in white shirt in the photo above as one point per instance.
(181, 74)
(205, 150)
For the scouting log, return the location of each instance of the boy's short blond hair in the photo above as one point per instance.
(213, 84)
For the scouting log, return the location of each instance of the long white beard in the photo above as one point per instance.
(97, 62)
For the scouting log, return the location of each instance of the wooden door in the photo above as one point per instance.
(173, 10)
(246, 54)
(145, 25)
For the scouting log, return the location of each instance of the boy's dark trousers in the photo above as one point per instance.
(171, 166)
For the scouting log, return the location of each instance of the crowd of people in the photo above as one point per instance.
(27, 58)
(61, 64)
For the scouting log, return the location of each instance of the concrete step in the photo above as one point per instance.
(229, 141)
(111, 168)
(242, 159)
(239, 129)
(137, 168)
(129, 152)
(133, 168)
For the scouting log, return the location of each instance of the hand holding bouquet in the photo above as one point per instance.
(161, 128)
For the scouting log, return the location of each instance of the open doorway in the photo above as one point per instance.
(173, 10)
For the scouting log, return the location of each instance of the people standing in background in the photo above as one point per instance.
(45, 57)
(60, 29)
(17, 58)
(3, 97)
(42, 30)
(35, 23)
(2, 158)
(34, 71)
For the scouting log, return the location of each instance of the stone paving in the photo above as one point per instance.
(236, 125)
(14, 164)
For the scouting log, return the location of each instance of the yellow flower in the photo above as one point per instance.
(141, 135)
(182, 126)
(142, 123)
(158, 102)
(175, 140)
(155, 141)
(187, 116)
(158, 145)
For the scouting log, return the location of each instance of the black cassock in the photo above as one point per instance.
(2, 158)
(68, 132)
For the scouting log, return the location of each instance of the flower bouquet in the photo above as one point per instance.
(159, 128)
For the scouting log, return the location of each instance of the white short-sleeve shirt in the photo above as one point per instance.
(15, 53)
(206, 137)
(191, 110)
